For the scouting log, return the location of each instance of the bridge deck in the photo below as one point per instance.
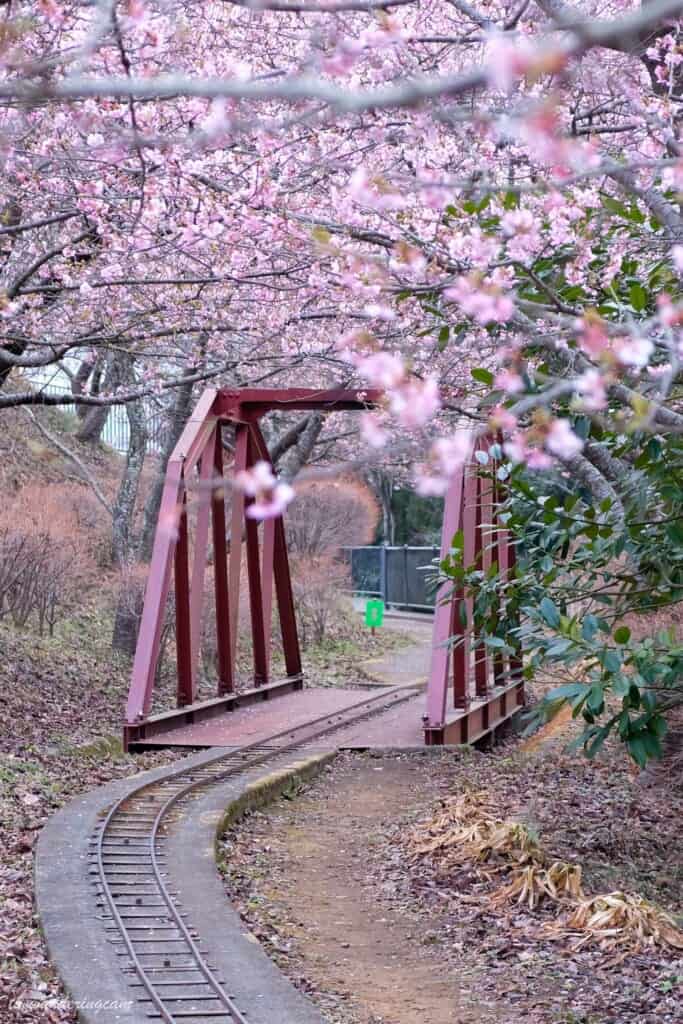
(396, 719)
(256, 722)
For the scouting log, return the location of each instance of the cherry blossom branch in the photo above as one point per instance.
(324, 7)
(663, 210)
(576, 363)
(582, 469)
(584, 35)
(565, 16)
(168, 281)
(58, 218)
(122, 398)
(482, 20)
(41, 260)
(8, 358)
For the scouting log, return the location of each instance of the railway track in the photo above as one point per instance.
(170, 973)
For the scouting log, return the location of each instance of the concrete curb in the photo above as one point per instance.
(271, 786)
(65, 899)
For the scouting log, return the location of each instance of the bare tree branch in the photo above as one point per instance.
(67, 453)
(17, 229)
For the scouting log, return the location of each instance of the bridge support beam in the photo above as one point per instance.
(471, 691)
(193, 508)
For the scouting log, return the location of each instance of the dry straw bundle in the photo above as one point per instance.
(622, 919)
(465, 830)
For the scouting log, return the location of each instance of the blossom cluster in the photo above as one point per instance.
(533, 233)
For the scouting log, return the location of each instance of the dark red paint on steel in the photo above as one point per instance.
(485, 691)
(182, 611)
(196, 468)
(220, 573)
(258, 627)
(282, 577)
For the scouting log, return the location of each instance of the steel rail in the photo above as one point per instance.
(208, 773)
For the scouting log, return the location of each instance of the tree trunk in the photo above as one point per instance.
(124, 506)
(177, 418)
(383, 486)
(129, 605)
(127, 619)
(78, 384)
(299, 454)
(95, 416)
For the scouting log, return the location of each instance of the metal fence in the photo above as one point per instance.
(404, 577)
(116, 430)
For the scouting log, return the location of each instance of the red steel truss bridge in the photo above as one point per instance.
(470, 691)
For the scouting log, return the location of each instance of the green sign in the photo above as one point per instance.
(374, 613)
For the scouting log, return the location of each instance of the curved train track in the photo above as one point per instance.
(171, 974)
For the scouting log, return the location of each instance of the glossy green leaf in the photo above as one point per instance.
(550, 612)
(479, 373)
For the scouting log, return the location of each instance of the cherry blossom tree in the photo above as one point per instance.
(389, 188)
(476, 208)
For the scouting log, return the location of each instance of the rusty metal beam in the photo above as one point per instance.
(201, 539)
(282, 578)
(480, 719)
(183, 627)
(197, 431)
(235, 562)
(245, 404)
(136, 733)
(156, 598)
(437, 689)
(226, 682)
(484, 694)
(258, 632)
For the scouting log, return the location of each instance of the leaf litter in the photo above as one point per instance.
(497, 890)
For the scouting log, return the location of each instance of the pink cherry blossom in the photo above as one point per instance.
(259, 478)
(508, 59)
(272, 504)
(382, 369)
(502, 419)
(447, 455)
(54, 12)
(271, 496)
(416, 402)
(672, 177)
(250, 238)
(634, 352)
(592, 390)
(373, 430)
(667, 313)
(561, 439)
(516, 447)
(536, 458)
(482, 301)
(509, 381)
(594, 339)
(380, 311)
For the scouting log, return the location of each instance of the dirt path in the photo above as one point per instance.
(408, 665)
(322, 880)
(354, 943)
(368, 962)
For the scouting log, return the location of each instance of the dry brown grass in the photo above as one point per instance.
(619, 920)
(463, 830)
